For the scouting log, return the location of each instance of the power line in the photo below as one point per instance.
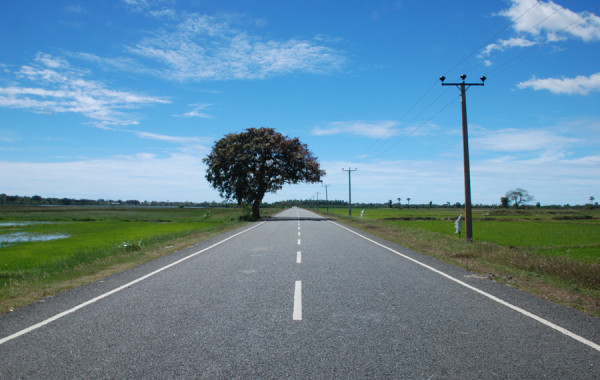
(536, 46)
(385, 138)
(420, 125)
(491, 38)
(385, 135)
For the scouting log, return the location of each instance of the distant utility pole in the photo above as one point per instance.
(326, 197)
(463, 87)
(318, 200)
(350, 170)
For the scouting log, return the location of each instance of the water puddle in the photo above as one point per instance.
(22, 224)
(23, 237)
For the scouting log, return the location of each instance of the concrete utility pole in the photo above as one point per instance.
(463, 87)
(350, 170)
(326, 197)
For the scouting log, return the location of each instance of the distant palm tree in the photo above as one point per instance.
(408, 202)
(399, 202)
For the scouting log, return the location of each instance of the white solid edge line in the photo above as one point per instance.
(297, 314)
(492, 297)
(98, 298)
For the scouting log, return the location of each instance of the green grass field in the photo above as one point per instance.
(89, 234)
(569, 233)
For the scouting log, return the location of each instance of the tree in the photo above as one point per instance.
(519, 196)
(504, 202)
(245, 166)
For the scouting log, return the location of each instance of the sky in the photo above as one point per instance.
(122, 99)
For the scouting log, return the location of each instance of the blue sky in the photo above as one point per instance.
(123, 99)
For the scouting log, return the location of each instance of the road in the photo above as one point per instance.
(297, 297)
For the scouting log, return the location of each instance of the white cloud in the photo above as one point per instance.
(504, 44)
(518, 140)
(172, 139)
(196, 111)
(580, 85)
(202, 47)
(538, 22)
(53, 86)
(537, 17)
(380, 129)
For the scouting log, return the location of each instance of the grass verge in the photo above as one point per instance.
(560, 279)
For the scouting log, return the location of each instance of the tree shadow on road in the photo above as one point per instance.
(289, 219)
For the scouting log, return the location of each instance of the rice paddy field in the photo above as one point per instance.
(572, 233)
(41, 247)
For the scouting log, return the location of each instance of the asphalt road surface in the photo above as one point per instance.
(297, 297)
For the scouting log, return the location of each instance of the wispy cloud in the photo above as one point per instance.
(77, 9)
(518, 140)
(171, 139)
(196, 47)
(126, 64)
(505, 44)
(379, 129)
(51, 85)
(203, 47)
(196, 111)
(580, 85)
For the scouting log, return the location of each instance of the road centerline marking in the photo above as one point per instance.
(485, 294)
(298, 257)
(297, 313)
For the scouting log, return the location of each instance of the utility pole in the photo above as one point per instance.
(350, 170)
(318, 200)
(463, 98)
(326, 197)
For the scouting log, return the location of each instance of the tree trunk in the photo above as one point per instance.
(256, 208)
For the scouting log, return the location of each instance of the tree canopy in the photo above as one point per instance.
(245, 166)
(518, 196)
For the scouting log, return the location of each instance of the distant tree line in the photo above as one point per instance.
(37, 200)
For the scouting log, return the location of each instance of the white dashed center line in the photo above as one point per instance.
(297, 314)
(298, 257)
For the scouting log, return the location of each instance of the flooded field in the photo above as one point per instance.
(22, 237)
(21, 224)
